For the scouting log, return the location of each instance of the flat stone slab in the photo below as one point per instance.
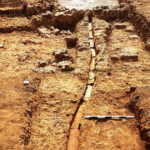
(130, 54)
(93, 52)
(120, 25)
(91, 43)
(90, 26)
(92, 76)
(90, 35)
(88, 92)
(92, 65)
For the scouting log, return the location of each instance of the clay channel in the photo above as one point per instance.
(73, 142)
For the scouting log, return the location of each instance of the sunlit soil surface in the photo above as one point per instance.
(86, 4)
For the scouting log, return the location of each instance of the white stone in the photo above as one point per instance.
(133, 37)
(91, 43)
(90, 26)
(88, 93)
(26, 82)
(1, 45)
(93, 52)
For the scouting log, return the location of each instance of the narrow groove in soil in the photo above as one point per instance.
(73, 142)
(32, 99)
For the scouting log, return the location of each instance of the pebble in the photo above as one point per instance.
(26, 82)
(133, 37)
(1, 45)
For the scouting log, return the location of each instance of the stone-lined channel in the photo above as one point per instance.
(73, 141)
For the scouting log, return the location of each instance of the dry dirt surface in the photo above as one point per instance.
(62, 60)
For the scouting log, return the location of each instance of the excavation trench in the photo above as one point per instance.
(73, 142)
(32, 103)
(106, 134)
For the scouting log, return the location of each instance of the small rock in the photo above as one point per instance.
(1, 45)
(42, 64)
(59, 14)
(129, 29)
(44, 31)
(56, 31)
(133, 37)
(51, 28)
(147, 45)
(62, 55)
(47, 14)
(130, 54)
(26, 82)
(30, 9)
(73, 100)
(1, 93)
(120, 26)
(69, 32)
(50, 69)
(66, 66)
(83, 45)
(122, 5)
(91, 43)
(47, 69)
(63, 32)
(28, 41)
(60, 52)
(36, 20)
(90, 26)
(114, 58)
(54, 64)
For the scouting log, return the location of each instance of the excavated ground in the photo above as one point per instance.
(109, 96)
(51, 76)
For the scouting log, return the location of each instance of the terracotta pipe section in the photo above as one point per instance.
(73, 142)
